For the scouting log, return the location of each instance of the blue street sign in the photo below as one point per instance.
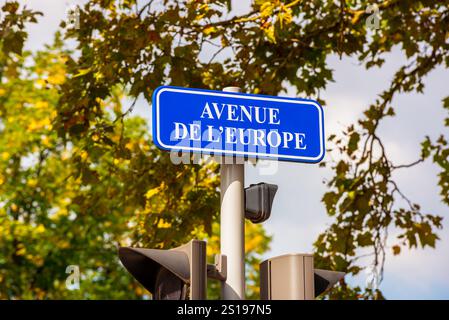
(245, 125)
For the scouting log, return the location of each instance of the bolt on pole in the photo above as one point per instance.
(232, 224)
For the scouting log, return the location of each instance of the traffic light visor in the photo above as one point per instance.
(144, 264)
(326, 279)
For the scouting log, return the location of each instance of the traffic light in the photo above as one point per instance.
(293, 277)
(175, 274)
(258, 201)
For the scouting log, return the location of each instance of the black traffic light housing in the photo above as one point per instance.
(175, 274)
(258, 201)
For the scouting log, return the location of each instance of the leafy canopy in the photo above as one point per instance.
(141, 45)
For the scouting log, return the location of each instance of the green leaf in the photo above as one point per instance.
(365, 239)
(353, 142)
(330, 199)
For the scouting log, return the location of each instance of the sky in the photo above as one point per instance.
(298, 215)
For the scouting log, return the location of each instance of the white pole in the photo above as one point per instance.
(232, 224)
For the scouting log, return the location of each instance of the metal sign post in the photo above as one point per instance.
(232, 224)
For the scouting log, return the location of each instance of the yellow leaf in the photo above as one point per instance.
(82, 72)
(57, 78)
(154, 191)
(95, 137)
(83, 155)
(269, 32)
(63, 244)
(21, 251)
(162, 224)
(199, 17)
(204, 7)
(40, 228)
(46, 141)
(209, 30)
(150, 193)
(40, 82)
(129, 146)
(266, 9)
(98, 76)
(285, 16)
(32, 183)
(41, 104)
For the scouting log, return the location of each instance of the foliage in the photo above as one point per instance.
(73, 201)
(12, 32)
(275, 44)
(51, 216)
(363, 195)
(139, 46)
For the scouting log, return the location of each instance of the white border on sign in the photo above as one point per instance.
(241, 153)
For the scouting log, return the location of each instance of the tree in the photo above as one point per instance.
(279, 43)
(51, 217)
(139, 45)
(72, 201)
